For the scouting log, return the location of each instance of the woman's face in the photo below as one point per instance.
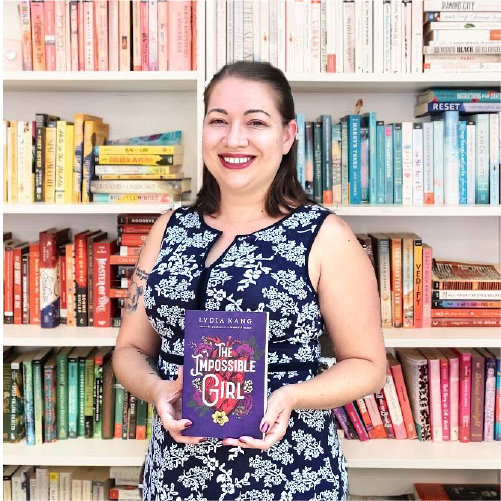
(243, 137)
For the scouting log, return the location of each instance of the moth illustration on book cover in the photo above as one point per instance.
(225, 373)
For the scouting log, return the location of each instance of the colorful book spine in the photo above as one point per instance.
(326, 159)
(471, 161)
(396, 279)
(301, 148)
(27, 46)
(119, 404)
(336, 165)
(417, 165)
(428, 163)
(385, 414)
(89, 396)
(62, 393)
(345, 423)
(375, 416)
(345, 192)
(38, 35)
(445, 393)
(427, 291)
(477, 397)
(418, 282)
(49, 287)
(494, 158)
(380, 161)
(356, 421)
(388, 177)
(29, 408)
(38, 400)
(434, 391)
(497, 405)
(317, 161)
(463, 163)
(369, 120)
(438, 162)
(490, 395)
(391, 397)
(82, 394)
(366, 419)
(17, 428)
(354, 160)
(50, 401)
(72, 396)
(482, 158)
(464, 394)
(397, 164)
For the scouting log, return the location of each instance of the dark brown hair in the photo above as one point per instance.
(285, 190)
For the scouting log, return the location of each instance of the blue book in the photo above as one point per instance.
(482, 164)
(369, 120)
(463, 175)
(354, 159)
(460, 95)
(161, 139)
(380, 161)
(336, 163)
(388, 172)
(397, 163)
(436, 107)
(29, 405)
(494, 158)
(301, 152)
(345, 194)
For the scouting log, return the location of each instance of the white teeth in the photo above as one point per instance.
(233, 160)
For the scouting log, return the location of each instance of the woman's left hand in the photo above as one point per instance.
(274, 423)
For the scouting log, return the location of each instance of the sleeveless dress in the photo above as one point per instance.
(263, 271)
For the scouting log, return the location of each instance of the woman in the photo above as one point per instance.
(253, 241)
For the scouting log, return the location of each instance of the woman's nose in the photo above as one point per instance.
(236, 136)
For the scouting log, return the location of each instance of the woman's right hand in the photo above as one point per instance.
(168, 402)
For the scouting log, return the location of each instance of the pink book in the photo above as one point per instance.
(194, 35)
(101, 23)
(162, 36)
(145, 50)
(453, 360)
(74, 35)
(124, 35)
(38, 36)
(477, 396)
(136, 35)
(390, 393)
(373, 410)
(81, 48)
(88, 10)
(464, 393)
(427, 265)
(490, 393)
(50, 35)
(60, 16)
(357, 422)
(67, 34)
(24, 12)
(179, 44)
(433, 357)
(153, 35)
(445, 393)
(113, 46)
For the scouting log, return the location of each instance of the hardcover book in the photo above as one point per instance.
(225, 373)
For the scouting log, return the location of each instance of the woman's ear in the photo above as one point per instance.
(290, 133)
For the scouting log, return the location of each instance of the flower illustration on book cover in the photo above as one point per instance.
(223, 388)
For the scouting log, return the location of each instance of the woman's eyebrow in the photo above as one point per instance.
(220, 110)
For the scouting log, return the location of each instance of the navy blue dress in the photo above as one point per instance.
(262, 271)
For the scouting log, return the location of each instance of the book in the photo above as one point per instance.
(225, 404)
(439, 107)
(431, 491)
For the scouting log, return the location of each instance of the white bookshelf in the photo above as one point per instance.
(139, 103)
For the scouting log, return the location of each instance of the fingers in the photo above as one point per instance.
(175, 426)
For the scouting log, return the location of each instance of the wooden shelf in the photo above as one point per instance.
(92, 208)
(100, 81)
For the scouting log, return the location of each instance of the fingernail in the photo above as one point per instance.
(188, 424)
(265, 427)
(202, 440)
(243, 440)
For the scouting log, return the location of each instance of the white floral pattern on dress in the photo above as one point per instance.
(263, 271)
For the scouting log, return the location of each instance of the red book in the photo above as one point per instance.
(143, 229)
(25, 279)
(123, 260)
(131, 239)
(50, 35)
(19, 251)
(38, 35)
(357, 422)
(145, 39)
(103, 308)
(362, 408)
(35, 283)
(8, 263)
(385, 414)
(418, 282)
(477, 396)
(98, 237)
(390, 393)
(118, 293)
(464, 393)
(70, 285)
(427, 286)
(62, 284)
(403, 399)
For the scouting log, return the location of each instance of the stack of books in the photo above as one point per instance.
(114, 35)
(462, 37)
(434, 395)
(146, 174)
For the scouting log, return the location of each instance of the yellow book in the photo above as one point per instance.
(138, 169)
(78, 139)
(5, 168)
(105, 159)
(141, 176)
(60, 160)
(50, 163)
(176, 149)
(95, 134)
(68, 164)
(12, 161)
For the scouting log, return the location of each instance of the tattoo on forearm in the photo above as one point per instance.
(135, 290)
(150, 362)
(141, 274)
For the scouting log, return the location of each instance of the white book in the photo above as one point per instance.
(113, 36)
(33, 489)
(367, 37)
(282, 35)
(290, 29)
(467, 65)
(407, 163)
(459, 36)
(323, 36)
(349, 36)
(65, 477)
(417, 36)
(331, 37)
(339, 34)
(220, 34)
(86, 489)
(230, 31)
(493, 158)
(316, 34)
(407, 37)
(238, 30)
(256, 30)
(308, 37)
(451, 158)
(467, 16)
(153, 35)
(21, 175)
(54, 486)
(417, 164)
(299, 30)
(378, 47)
(136, 35)
(42, 482)
(396, 36)
(438, 162)
(459, 58)
(20, 483)
(428, 162)
(444, 5)
(210, 38)
(359, 48)
(471, 156)
(264, 6)
(60, 25)
(387, 36)
(273, 13)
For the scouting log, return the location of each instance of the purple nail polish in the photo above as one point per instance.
(202, 440)
(187, 425)
(265, 427)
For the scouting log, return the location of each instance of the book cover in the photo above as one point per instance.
(225, 373)
(477, 397)
(465, 356)
(490, 393)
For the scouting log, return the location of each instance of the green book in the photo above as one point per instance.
(119, 410)
(149, 421)
(141, 412)
(17, 430)
(100, 358)
(317, 162)
(88, 397)
(62, 393)
(73, 393)
(38, 363)
(50, 381)
(29, 406)
(8, 356)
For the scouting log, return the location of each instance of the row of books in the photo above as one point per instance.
(71, 483)
(452, 160)
(107, 35)
(366, 36)
(418, 291)
(431, 394)
(58, 394)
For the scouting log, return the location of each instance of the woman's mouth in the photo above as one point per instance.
(236, 163)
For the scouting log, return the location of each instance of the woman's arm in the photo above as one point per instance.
(137, 346)
(349, 302)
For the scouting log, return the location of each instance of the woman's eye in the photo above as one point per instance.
(216, 120)
(257, 122)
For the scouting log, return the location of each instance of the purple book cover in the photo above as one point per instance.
(225, 375)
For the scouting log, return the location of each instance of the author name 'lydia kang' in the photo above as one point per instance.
(225, 321)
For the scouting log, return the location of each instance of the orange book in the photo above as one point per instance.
(179, 44)
(364, 413)
(123, 260)
(465, 313)
(34, 294)
(70, 285)
(418, 281)
(38, 35)
(408, 280)
(124, 35)
(403, 398)
(396, 279)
